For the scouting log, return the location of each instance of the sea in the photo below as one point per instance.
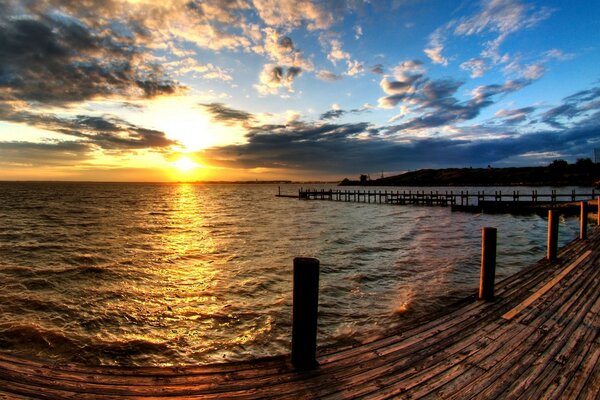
(180, 274)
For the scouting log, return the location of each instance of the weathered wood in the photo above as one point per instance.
(552, 235)
(306, 302)
(488, 263)
(583, 220)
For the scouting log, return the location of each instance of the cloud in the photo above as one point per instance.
(528, 71)
(409, 77)
(229, 116)
(189, 65)
(336, 112)
(515, 116)
(282, 51)
(358, 148)
(435, 48)
(559, 55)
(497, 18)
(377, 69)
(335, 53)
(51, 153)
(585, 103)
(358, 32)
(295, 13)
(354, 68)
(477, 66)
(105, 132)
(435, 100)
(298, 146)
(325, 75)
(503, 18)
(275, 77)
(59, 59)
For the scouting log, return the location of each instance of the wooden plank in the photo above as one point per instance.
(512, 313)
(505, 374)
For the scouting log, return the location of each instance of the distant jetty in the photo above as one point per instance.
(582, 173)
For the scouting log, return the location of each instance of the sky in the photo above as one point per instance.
(140, 90)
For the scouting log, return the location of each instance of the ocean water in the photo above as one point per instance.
(172, 274)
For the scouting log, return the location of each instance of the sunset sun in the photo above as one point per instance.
(185, 164)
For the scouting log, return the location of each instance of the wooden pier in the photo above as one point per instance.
(496, 202)
(538, 339)
(437, 198)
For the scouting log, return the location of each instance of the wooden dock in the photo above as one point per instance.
(496, 202)
(437, 198)
(539, 339)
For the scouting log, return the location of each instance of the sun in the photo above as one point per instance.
(184, 164)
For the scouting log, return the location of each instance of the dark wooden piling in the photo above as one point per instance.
(583, 221)
(552, 234)
(598, 214)
(305, 305)
(488, 264)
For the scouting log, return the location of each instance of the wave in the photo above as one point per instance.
(56, 343)
(370, 250)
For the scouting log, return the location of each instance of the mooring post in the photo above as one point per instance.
(488, 264)
(304, 318)
(552, 234)
(583, 220)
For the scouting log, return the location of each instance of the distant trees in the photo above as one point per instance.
(583, 164)
(558, 165)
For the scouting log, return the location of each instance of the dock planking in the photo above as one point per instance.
(548, 348)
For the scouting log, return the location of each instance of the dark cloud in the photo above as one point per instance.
(274, 77)
(582, 103)
(292, 73)
(57, 59)
(377, 69)
(285, 44)
(325, 75)
(334, 114)
(515, 116)
(227, 115)
(436, 103)
(339, 148)
(309, 146)
(106, 132)
(58, 153)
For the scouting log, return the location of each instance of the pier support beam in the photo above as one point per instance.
(552, 235)
(488, 264)
(583, 220)
(304, 320)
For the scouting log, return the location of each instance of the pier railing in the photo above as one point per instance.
(437, 198)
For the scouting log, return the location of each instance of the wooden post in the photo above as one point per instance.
(552, 234)
(583, 220)
(488, 264)
(304, 318)
(598, 214)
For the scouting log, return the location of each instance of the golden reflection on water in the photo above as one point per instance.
(189, 234)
